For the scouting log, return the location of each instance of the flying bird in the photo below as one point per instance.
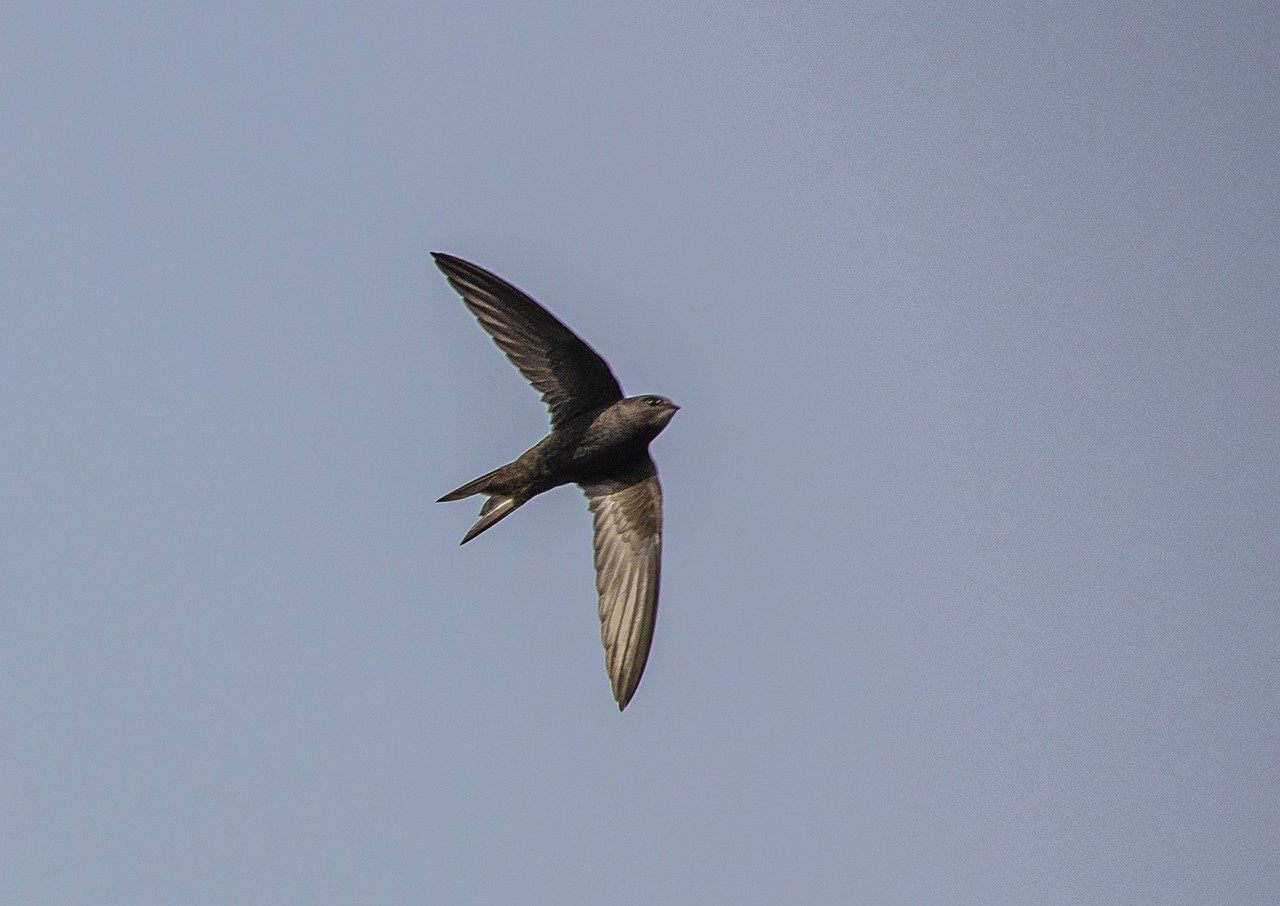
(599, 441)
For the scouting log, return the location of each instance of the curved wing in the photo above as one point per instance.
(570, 375)
(628, 555)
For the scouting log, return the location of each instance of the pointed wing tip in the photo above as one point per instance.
(447, 262)
(623, 695)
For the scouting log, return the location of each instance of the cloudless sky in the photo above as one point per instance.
(971, 544)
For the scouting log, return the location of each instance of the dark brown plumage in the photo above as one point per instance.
(599, 440)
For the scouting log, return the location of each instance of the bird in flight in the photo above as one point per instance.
(599, 440)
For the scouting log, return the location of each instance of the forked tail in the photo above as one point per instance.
(496, 507)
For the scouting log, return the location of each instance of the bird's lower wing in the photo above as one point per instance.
(628, 557)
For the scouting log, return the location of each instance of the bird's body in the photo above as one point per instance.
(590, 448)
(599, 440)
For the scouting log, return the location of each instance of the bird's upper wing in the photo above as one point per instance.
(628, 555)
(571, 376)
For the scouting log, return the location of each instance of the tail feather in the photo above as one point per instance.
(495, 509)
(471, 487)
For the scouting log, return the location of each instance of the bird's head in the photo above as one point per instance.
(654, 412)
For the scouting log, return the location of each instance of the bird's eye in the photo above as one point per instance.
(652, 401)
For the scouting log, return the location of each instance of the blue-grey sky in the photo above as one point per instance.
(971, 551)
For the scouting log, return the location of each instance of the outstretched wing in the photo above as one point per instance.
(570, 375)
(628, 555)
